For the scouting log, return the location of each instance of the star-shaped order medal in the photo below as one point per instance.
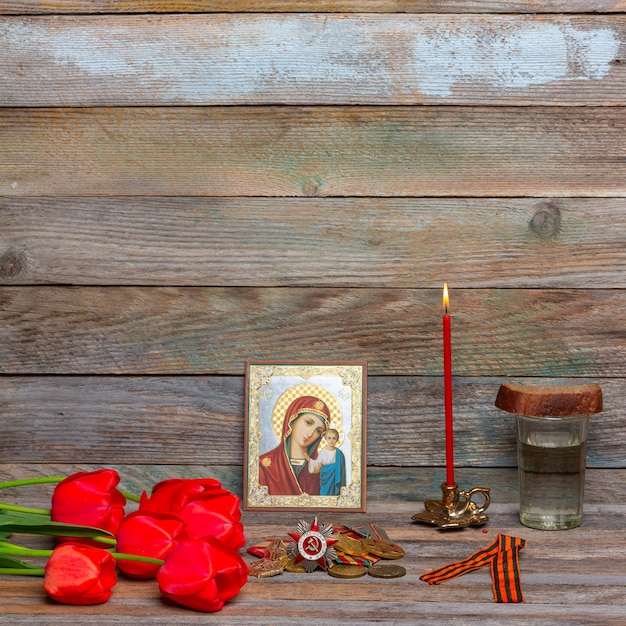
(312, 545)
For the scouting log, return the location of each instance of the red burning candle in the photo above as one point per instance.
(447, 388)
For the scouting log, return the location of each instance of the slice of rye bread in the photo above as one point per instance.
(550, 400)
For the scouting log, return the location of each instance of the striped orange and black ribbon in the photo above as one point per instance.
(502, 555)
(505, 573)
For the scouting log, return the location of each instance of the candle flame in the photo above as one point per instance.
(446, 299)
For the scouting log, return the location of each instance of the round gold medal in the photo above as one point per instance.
(386, 570)
(344, 570)
(383, 549)
(348, 545)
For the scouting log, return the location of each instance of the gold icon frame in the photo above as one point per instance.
(270, 389)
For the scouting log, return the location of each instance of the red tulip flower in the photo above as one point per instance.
(202, 574)
(173, 494)
(147, 534)
(89, 499)
(203, 519)
(79, 574)
(207, 509)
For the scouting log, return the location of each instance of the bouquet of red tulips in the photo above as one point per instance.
(186, 534)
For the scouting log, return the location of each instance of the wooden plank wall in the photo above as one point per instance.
(185, 185)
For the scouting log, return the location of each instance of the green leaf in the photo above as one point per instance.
(22, 515)
(29, 523)
(9, 561)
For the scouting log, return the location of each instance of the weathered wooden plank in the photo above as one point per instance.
(411, 485)
(154, 330)
(330, 151)
(559, 242)
(311, 59)
(463, 607)
(322, 6)
(200, 420)
(418, 484)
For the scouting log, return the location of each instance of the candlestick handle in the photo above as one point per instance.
(456, 508)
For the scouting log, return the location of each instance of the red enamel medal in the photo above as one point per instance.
(312, 545)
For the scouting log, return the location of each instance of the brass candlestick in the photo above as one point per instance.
(456, 509)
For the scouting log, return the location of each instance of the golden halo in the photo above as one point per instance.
(306, 389)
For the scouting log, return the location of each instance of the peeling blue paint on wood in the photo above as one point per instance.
(513, 57)
(224, 59)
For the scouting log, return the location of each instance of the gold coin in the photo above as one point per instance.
(343, 570)
(386, 570)
(383, 549)
(295, 568)
(264, 568)
(348, 545)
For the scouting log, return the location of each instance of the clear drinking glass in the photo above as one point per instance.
(551, 458)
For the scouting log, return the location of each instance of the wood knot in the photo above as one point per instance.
(546, 222)
(310, 189)
(12, 264)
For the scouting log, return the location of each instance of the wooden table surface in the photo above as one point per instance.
(576, 576)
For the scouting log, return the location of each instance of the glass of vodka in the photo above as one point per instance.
(551, 459)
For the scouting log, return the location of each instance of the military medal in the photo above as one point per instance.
(347, 571)
(264, 568)
(382, 548)
(348, 545)
(335, 550)
(275, 550)
(312, 545)
(386, 570)
(294, 568)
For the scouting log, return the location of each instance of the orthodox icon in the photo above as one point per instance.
(305, 436)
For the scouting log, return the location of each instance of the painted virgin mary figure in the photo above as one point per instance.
(286, 470)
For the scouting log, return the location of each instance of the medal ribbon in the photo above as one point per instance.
(503, 557)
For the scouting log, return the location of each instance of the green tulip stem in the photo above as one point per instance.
(11, 548)
(15, 550)
(107, 540)
(130, 496)
(120, 556)
(17, 571)
(23, 509)
(31, 481)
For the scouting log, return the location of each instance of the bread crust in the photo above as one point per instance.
(550, 400)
